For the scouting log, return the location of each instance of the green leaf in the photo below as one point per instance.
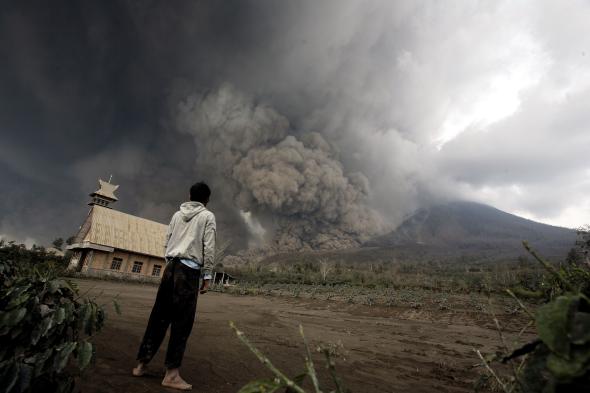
(84, 354)
(85, 314)
(90, 318)
(63, 354)
(580, 331)
(54, 286)
(69, 311)
(59, 316)
(41, 329)
(36, 335)
(41, 360)
(13, 317)
(19, 297)
(261, 386)
(535, 376)
(15, 331)
(553, 322)
(46, 325)
(70, 285)
(44, 310)
(9, 376)
(565, 370)
(24, 378)
(66, 385)
(38, 360)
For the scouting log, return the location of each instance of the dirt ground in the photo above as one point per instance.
(380, 349)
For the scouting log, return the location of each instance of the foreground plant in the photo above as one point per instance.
(281, 380)
(558, 360)
(43, 326)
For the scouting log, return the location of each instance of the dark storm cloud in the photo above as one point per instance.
(423, 100)
(81, 98)
(86, 93)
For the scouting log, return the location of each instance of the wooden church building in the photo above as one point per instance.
(114, 243)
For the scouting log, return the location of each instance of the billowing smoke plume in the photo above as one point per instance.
(292, 183)
(430, 101)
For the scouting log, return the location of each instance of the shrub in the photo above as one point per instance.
(43, 324)
(558, 360)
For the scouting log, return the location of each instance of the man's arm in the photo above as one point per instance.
(209, 238)
(208, 251)
(169, 232)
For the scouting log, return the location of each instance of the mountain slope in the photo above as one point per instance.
(469, 226)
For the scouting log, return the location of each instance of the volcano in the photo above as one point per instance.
(473, 227)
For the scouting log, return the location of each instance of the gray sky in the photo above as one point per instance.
(392, 105)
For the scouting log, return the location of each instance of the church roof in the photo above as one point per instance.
(106, 190)
(112, 228)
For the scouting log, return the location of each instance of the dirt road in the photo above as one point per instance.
(383, 349)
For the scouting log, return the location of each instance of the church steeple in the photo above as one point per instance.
(104, 195)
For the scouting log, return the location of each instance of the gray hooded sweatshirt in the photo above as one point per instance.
(191, 235)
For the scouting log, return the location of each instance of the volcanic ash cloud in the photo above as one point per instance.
(293, 183)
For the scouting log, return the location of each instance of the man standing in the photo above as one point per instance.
(190, 249)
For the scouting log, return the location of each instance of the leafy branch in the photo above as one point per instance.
(44, 325)
(281, 380)
(558, 360)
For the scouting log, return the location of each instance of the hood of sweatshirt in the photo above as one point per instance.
(188, 210)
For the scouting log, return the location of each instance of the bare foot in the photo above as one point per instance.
(140, 370)
(176, 382)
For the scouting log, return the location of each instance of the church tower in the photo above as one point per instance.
(104, 195)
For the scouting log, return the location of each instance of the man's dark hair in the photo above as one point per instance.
(200, 192)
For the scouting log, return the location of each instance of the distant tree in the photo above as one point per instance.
(58, 243)
(574, 256)
(70, 240)
(583, 243)
(325, 268)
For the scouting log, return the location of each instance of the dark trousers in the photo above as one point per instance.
(175, 305)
